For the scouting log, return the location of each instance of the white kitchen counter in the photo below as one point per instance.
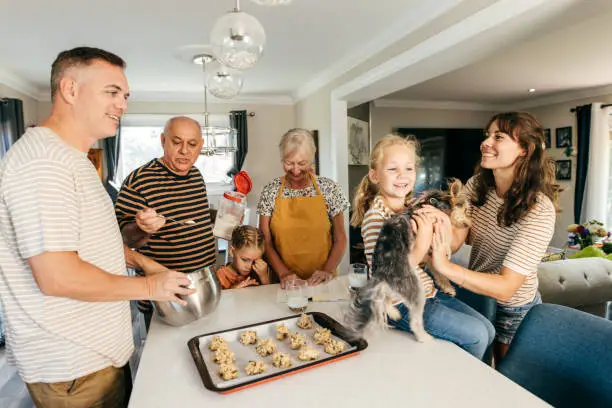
(393, 371)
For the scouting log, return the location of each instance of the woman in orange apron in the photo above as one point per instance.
(302, 216)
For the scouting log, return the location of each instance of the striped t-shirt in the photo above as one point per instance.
(519, 247)
(181, 247)
(51, 200)
(370, 229)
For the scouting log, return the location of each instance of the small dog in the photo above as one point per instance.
(393, 277)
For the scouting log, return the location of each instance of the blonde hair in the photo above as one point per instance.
(366, 191)
(247, 236)
(296, 139)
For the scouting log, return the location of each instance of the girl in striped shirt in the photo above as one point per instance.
(384, 192)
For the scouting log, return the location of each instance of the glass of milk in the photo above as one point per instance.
(358, 275)
(297, 298)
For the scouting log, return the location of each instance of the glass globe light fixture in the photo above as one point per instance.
(224, 84)
(238, 39)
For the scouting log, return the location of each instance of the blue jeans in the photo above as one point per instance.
(449, 319)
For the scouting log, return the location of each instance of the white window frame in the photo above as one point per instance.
(140, 119)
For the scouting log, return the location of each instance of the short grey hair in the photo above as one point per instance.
(297, 139)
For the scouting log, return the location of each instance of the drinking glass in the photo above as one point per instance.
(358, 275)
(297, 298)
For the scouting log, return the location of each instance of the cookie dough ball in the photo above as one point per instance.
(297, 340)
(305, 322)
(224, 356)
(321, 335)
(282, 332)
(248, 337)
(255, 367)
(333, 347)
(228, 371)
(308, 353)
(265, 347)
(281, 360)
(217, 343)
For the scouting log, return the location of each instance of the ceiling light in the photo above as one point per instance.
(217, 139)
(238, 39)
(531, 90)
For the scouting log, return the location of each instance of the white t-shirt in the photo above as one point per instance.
(51, 199)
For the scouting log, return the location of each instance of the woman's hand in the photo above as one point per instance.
(319, 277)
(245, 283)
(422, 225)
(439, 249)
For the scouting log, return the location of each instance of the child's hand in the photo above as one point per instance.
(422, 225)
(261, 269)
(245, 283)
(439, 249)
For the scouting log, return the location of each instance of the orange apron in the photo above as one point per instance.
(302, 231)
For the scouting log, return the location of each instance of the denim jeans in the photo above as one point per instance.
(449, 319)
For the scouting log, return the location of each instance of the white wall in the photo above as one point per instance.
(384, 120)
(265, 130)
(555, 116)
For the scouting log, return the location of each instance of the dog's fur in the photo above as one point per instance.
(393, 277)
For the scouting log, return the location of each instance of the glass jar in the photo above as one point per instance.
(230, 214)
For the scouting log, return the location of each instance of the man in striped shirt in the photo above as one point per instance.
(63, 282)
(163, 209)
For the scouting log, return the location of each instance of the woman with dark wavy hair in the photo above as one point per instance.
(513, 197)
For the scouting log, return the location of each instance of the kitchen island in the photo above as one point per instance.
(394, 370)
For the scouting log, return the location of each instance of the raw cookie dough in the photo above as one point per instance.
(217, 343)
(321, 335)
(282, 332)
(333, 347)
(228, 371)
(281, 360)
(248, 337)
(297, 340)
(265, 347)
(305, 322)
(224, 356)
(255, 367)
(308, 353)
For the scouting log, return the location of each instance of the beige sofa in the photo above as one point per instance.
(584, 284)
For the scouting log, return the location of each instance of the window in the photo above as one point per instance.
(140, 143)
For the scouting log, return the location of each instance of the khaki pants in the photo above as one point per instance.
(102, 389)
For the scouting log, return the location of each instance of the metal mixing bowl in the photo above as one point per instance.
(199, 304)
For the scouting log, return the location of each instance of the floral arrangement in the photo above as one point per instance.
(583, 235)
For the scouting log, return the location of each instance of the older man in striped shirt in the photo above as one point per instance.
(63, 282)
(163, 209)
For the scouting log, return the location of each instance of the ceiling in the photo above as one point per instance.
(157, 39)
(570, 57)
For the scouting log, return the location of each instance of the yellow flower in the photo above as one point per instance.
(572, 228)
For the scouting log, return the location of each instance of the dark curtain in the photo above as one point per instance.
(238, 120)
(112, 146)
(583, 123)
(11, 123)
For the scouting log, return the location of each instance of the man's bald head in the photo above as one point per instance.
(182, 142)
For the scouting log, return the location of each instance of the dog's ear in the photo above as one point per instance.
(455, 189)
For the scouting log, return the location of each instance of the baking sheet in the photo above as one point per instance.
(267, 330)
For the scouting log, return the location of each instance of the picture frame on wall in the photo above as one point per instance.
(564, 170)
(564, 136)
(358, 142)
(547, 138)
